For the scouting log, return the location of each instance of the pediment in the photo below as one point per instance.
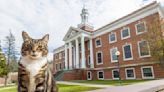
(71, 32)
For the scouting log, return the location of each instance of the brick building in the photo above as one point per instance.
(89, 54)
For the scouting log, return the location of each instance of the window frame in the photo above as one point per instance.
(113, 74)
(98, 75)
(110, 38)
(97, 58)
(133, 73)
(96, 42)
(113, 61)
(90, 75)
(152, 70)
(138, 33)
(126, 59)
(122, 38)
(139, 51)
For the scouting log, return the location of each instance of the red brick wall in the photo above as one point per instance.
(2, 80)
(57, 61)
(106, 46)
(158, 72)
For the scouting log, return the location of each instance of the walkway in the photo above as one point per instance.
(150, 86)
(82, 84)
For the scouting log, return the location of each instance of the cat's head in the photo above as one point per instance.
(34, 48)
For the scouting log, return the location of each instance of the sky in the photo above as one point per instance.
(54, 17)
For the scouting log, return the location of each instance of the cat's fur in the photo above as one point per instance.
(34, 74)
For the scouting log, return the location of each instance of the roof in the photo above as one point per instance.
(59, 49)
(153, 3)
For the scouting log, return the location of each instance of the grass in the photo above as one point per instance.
(111, 82)
(62, 88)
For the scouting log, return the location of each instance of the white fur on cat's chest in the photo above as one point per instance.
(33, 66)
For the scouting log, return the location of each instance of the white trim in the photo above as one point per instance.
(90, 75)
(127, 20)
(152, 70)
(110, 38)
(126, 59)
(98, 75)
(139, 52)
(133, 73)
(113, 74)
(139, 22)
(96, 42)
(97, 57)
(113, 61)
(122, 38)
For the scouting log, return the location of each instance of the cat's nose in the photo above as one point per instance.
(33, 51)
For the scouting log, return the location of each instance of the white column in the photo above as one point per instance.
(66, 58)
(83, 65)
(74, 57)
(70, 55)
(77, 53)
(91, 53)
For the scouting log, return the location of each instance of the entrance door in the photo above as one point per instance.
(89, 75)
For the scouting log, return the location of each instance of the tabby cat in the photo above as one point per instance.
(34, 74)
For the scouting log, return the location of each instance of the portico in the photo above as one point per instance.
(75, 57)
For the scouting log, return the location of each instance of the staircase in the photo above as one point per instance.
(66, 75)
(59, 75)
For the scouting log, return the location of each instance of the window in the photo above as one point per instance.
(130, 73)
(98, 42)
(115, 74)
(147, 72)
(112, 37)
(89, 60)
(113, 56)
(56, 56)
(60, 66)
(99, 58)
(140, 28)
(100, 75)
(143, 49)
(89, 75)
(125, 33)
(127, 52)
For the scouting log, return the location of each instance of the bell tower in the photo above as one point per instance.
(85, 25)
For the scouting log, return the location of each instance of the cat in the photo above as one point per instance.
(34, 74)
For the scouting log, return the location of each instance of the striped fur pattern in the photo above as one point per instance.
(34, 74)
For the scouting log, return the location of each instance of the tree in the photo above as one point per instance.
(10, 52)
(155, 38)
(3, 65)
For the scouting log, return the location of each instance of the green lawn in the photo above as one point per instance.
(62, 88)
(111, 82)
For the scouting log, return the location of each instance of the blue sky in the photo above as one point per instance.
(39, 17)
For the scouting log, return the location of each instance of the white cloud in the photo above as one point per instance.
(54, 17)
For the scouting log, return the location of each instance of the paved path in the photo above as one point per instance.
(82, 84)
(150, 86)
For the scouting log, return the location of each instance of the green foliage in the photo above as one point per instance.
(3, 66)
(155, 38)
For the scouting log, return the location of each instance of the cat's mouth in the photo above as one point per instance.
(34, 55)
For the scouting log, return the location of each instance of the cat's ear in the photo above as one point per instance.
(25, 36)
(45, 38)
